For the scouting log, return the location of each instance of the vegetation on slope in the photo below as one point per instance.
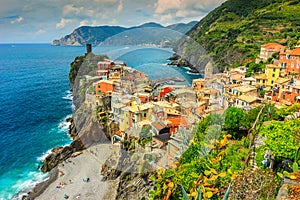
(214, 160)
(234, 32)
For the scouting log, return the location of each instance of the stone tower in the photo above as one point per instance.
(88, 48)
(208, 73)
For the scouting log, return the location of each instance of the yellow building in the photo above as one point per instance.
(272, 72)
(268, 79)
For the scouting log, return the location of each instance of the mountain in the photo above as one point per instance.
(232, 33)
(98, 34)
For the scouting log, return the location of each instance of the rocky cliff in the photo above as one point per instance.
(85, 129)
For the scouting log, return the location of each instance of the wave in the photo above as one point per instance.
(44, 155)
(187, 68)
(24, 186)
(64, 125)
(191, 73)
(68, 96)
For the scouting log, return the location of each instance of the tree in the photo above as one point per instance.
(233, 119)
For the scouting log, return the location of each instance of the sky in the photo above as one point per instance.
(41, 21)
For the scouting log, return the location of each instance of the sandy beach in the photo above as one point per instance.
(80, 178)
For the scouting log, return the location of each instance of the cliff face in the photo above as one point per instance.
(85, 129)
(233, 33)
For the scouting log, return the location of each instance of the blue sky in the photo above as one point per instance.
(26, 21)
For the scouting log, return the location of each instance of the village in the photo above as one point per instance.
(162, 115)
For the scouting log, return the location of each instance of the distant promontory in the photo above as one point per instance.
(146, 34)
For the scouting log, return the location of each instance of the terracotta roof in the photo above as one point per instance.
(272, 45)
(177, 121)
(295, 51)
(157, 126)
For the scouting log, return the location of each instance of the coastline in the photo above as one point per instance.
(41, 187)
(73, 172)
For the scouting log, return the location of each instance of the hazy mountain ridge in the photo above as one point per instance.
(98, 34)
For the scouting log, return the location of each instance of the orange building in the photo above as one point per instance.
(104, 88)
(290, 61)
(288, 93)
(267, 50)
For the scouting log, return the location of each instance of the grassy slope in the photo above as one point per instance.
(234, 32)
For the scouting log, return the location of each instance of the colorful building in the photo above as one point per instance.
(103, 88)
(272, 72)
(290, 61)
(267, 50)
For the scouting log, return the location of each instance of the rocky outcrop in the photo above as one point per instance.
(85, 129)
(182, 62)
(60, 154)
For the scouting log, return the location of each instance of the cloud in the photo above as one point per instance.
(164, 5)
(63, 23)
(120, 7)
(83, 23)
(41, 31)
(71, 9)
(18, 20)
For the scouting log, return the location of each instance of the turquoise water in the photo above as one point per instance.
(35, 101)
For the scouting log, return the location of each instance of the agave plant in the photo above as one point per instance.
(199, 195)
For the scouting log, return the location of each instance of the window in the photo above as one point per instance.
(241, 93)
(99, 86)
(274, 69)
(145, 114)
(242, 103)
(264, 81)
(283, 96)
(272, 82)
(282, 86)
(292, 65)
(283, 64)
(295, 98)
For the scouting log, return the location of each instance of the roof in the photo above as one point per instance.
(273, 45)
(105, 81)
(249, 79)
(237, 76)
(157, 126)
(282, 80)
(295, 51)
(104, 62)
(244, 88)
(177, 121)
(163, 137)
(297, 87)
(183, 91)
(247, 98)
(272, 66)
(261, 76)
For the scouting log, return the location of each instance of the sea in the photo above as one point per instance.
(35, 101)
